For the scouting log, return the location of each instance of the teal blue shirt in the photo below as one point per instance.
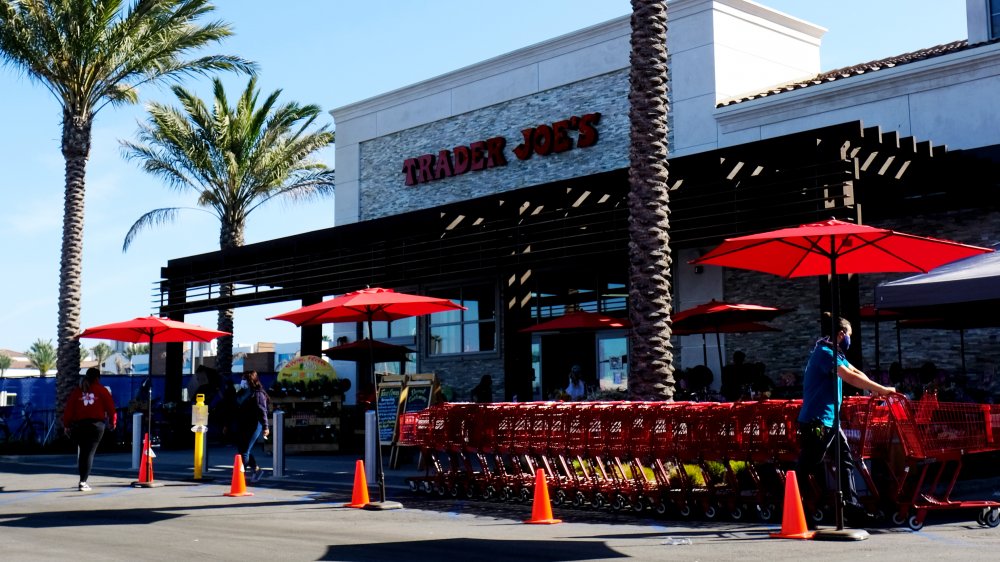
(818, 394)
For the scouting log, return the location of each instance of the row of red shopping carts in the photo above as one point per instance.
(689, 457)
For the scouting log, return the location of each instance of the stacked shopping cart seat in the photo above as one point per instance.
(702, 459)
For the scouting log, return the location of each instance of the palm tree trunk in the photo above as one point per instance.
(76, 150)
(230, 236)
(651, 372)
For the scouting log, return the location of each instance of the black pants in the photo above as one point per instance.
(818, 455)
(87, 435)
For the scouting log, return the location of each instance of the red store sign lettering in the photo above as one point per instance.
(542, 140)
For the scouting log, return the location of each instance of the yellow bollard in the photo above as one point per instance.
(199, 421)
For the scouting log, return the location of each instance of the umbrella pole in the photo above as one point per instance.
(878, 362)
(149, 420)
(840, 533)
(718, 347)
(379, 475)
(704, 350)
(834, 324)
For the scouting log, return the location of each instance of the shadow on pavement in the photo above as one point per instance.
(474, 549)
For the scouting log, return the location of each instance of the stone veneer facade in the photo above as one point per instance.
(383, 192)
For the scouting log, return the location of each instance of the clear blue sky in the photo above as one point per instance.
(331, 53)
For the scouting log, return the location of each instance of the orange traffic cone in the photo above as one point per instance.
(239, 486)
(359, 498)
(541, 509)
(793, 518)
(146, 463)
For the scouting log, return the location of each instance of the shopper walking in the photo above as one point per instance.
(817, 435)
(252, 405)
(89, 410)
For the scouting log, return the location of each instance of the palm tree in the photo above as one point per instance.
(90, 54)
(5, 362)
(235, 159)
(42, 356)
(101, 353)
(651, 373)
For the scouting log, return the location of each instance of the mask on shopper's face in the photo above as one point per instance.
(845, 343)
(243, 384)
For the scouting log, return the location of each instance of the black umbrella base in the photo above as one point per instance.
(841, 535)
(383, 506)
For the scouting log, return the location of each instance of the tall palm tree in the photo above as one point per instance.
(101, 353)
(235, 159)
(42, 356)
(91, 54)
(651, 372)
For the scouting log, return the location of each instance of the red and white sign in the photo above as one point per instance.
(543, 140)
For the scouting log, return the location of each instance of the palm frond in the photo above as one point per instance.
(153, 218)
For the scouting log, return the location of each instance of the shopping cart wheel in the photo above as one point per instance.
(441, 489)
(765, 512)
(685, 510)
(526, 495)
(413, 485)
(470, 491)
(710, 512)
(639, 505)
(914, 523)
(736, 514)
(559, 497)
(580, 499)
(818, 516)
(489, 492)
(600, 500)
(660, 508)
(993, 518)
(507, 494)
(620, 502)
(427, 486)
(899, 519)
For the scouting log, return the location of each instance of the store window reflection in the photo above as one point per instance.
(464, 331)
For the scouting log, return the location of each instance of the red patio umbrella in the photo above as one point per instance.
(579, 320)
(151, 328)
(718, 317)
(368, 305)
(835, 247)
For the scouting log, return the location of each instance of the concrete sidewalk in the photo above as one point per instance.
(313, 471)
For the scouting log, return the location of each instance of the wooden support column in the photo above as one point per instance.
(312, 336)
(174, 360)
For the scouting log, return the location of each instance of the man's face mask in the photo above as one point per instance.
(243, 383)
(845, 342)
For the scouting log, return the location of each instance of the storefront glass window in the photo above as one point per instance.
(465, 331)
(612, 361)
(405, 328)
(994, 19)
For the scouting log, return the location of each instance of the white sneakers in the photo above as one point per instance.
(84, 487)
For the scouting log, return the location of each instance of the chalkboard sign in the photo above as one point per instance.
(418, 397)
(388, 412)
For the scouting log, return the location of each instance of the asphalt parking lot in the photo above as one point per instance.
(43, 517)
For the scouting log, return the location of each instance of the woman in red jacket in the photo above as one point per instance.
(89, 409)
